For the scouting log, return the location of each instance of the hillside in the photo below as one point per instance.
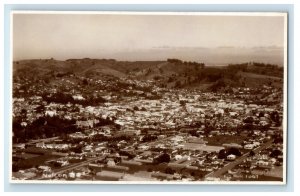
(172, 73)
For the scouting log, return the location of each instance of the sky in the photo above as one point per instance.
(64, 36)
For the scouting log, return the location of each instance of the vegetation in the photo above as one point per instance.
(45, 127)
(163, 158)
(224, 153)
(64, 98)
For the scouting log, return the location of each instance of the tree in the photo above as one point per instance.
(163, 158)
(169, 171)
(275, 117)
(251, 154)
(148, 138)
(156, 77)
(24, 111)
(261, 114)
(249, 119)
(194, 133)
(176, 61)
(234, 151)
(85, 82)
(125, 153)
(170, 79)
(40, 108)
(226, 110)
(275, 153)
(77, 149)
(222, 154)
(278, 139)
(177, 83)
(182, 103)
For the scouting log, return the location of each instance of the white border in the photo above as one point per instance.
(285, 93)
(283, 14)
(154, 13)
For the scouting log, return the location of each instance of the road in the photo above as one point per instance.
(76, 165)
(42, 140)
(231, 165)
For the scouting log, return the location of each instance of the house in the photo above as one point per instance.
(128, 132)
(50, 113)
(263, 123)
(85, 123)
(44, 168)
(177, 157)
(265, 165)
(78, 97)
(72, 174)
(40, 145)
(77, 135)
(19, 146)
(253, 106)
(231, 157)
(262, 163)
(233, 114)
(256, 144)
(111, 163)
(182, 159)
(215, 132)
(63, 162)
(143, 147)
(23, 124)
(270, 132)
(249, 146)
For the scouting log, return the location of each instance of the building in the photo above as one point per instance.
(231, 157)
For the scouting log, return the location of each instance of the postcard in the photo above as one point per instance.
(148, 97)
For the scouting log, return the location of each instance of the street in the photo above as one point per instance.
(231, 165)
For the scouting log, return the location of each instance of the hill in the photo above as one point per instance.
(172, 73)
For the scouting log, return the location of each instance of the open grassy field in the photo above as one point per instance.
(34, 161)
(224, 139)
(258, 76)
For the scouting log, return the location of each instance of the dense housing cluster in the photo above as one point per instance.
(81, 128)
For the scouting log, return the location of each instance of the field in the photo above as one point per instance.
(27, 156)
(224, 139)
(258, 76)
(201, 147)
(254, 80)
(34, 161)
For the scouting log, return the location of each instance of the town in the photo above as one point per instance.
(106, 129)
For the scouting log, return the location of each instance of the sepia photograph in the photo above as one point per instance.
(148, 97)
